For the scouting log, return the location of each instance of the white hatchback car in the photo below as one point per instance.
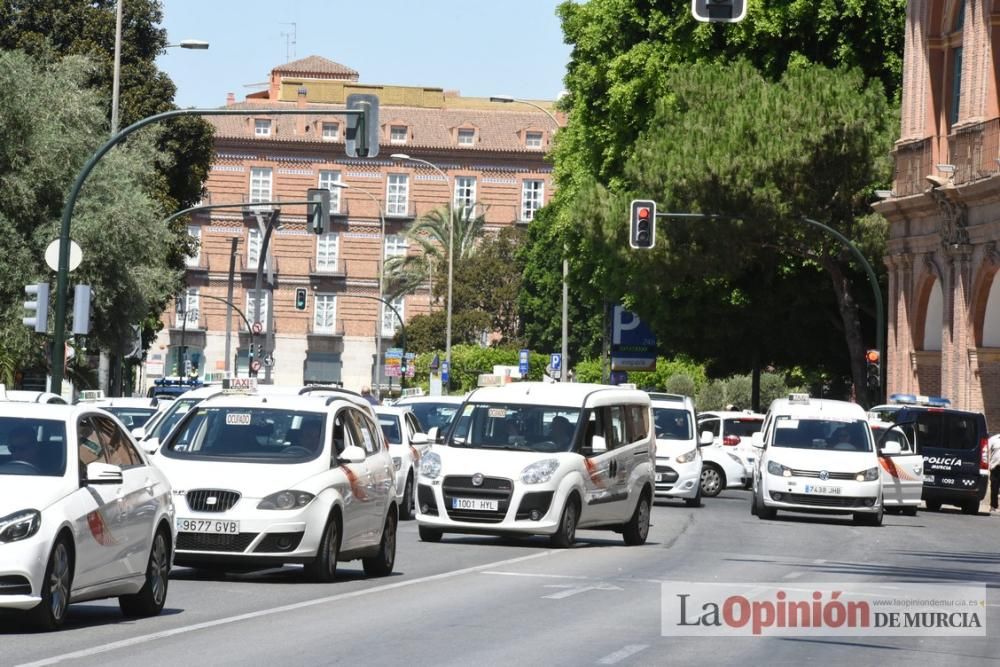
(83, 515)
(264, 480)
(733, 432)
(542, 459)
(434, 413)
(817, 456)
(678, 457)
(402, 434)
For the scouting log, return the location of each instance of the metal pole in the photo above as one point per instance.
(229, 304)
(261, 260)
(57, 362)
(115, 85)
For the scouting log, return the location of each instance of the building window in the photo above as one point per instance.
(194, 231)
(186, 305)
(395, 246)
(253, 248)
(325, 317)
(389, 320)
(955, 101)
(260, 184)
(251, 305)
(262, 127)
(465, 194)
(532, 195)
(396, 194)
(326, 252)
(326, 180)
(533, 139)
(397, 134)
(466, 137)
(331, 131)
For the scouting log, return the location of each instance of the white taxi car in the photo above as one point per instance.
(678, 457)
(402, 433)
(82, 514)
(543, 459)
(817, 456)
(264, 480)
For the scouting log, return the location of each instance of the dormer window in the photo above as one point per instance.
(262, 127)
(331, 131)
(466, 137)
(533, 139)
(398, 134)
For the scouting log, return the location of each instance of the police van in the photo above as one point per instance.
(954, 444)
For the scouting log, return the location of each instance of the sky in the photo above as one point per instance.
(478, 47)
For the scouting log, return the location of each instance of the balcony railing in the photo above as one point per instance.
(913, 164)
(339, 271)
(408, 212)
(974, 151)
(336, 330)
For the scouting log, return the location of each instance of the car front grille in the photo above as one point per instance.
(830, 475)
(666, 474)
(211, 500)
(492, 488)
(209, 542)
(821, 501)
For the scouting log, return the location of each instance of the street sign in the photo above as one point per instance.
(257, 327)
(445, 372)
(269, 361)
(255, 365)
(435, 363)
(394, 362)
(411, 366)
(522, 365)
(619, 377)
(556, 361)
(633, 344)
(52, 255)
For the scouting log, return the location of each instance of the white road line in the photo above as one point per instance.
(570, 590)
(793, 575)
(536, 574)
(144, 639)
(621, 654)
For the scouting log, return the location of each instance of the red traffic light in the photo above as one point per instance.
(872, 356)
(643, 213)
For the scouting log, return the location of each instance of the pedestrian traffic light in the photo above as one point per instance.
(643, 224)
(300, 298)
(38, 309)
(719, 11)
(872, 359)
(319, 209)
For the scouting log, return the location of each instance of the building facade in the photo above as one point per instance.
(491, 152)
(944, 209)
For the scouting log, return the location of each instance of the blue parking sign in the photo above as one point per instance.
(556, 361)
(523, 362)
(444, 372)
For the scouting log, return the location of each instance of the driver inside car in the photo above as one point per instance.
(23, 447)
(561, 431)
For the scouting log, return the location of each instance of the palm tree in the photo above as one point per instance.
(405, 273)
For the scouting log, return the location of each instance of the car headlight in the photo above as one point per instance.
(20, 525)
(778, 469)
(397, 462)
(687, 457)
(430, 465)
(285, 500)
(539, 472)
(869, 475)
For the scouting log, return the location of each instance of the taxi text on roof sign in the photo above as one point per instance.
(240, 386)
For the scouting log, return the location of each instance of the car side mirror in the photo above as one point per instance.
(434, 434)
(757, 440)
(138, 432)
(598, 444)
(889, 448)
(891, 442)
(352, 454)
(103, 473)
(706, 439)
(150, 446)
(419, 439)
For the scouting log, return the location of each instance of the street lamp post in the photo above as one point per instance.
(451, 250)
(564, 373)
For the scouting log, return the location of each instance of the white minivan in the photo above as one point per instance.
(542, 459)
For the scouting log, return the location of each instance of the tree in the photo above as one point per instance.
(428, 333)
(489, 281)
(50, 123)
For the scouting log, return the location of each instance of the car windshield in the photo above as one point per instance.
(390, 429)
(886, 413)
(535, 428)
(171, 416)
(32, 447)
(248, 434)
(432, 415)
(672, 424)
(132, 417)
(822, 434)
(742, 426)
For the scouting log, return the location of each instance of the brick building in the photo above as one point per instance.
(493, 156)
(944, 212)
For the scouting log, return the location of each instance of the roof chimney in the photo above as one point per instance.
(230, 99)
(300, 121)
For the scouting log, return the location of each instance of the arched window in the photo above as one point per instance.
(958, 22)
(934, 318)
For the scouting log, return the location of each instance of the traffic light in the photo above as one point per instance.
(719, 11)
(872, 359)
(643, 224)
(81, 310)
(319, 209)
(362, 136)
(300, 298)
(38, 319)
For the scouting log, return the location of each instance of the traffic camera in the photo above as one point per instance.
(643, 224)
(38, 308)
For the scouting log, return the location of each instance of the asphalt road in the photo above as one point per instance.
(484, 601)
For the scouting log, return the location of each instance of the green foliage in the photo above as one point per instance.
(426, 333)
(678, 372)
(737, 391)
(681, 384)
(488, 282)
(469, 361)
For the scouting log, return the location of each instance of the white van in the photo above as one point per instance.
(542, 459)
(817, 456)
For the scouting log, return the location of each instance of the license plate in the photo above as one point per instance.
(659, 477)
(212, 526)
(476, 504)
(825, 490)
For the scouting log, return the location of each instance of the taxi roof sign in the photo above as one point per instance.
(798, 398)
(239, 385)
(92, 395)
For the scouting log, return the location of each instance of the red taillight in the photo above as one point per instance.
(731, 440)
(984, 451)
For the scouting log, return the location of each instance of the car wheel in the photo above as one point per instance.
(870, 519)
(933, 505)
(970, 507)
(380, 565)
(893, 510)
(152, 596)
(637, 529)
(565, 534)
(323, 567)
(763, 512)
(406, 509)
(50, 614)
(696, 501)
(909, 510)
(429, 534)
(712, 481)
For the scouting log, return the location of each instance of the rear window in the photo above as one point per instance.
(944, 430)
(743, 427)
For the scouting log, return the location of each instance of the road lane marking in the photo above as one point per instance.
(536, 574)
(793, 575)
(573, 590)
(621, 654)
(144, 639)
